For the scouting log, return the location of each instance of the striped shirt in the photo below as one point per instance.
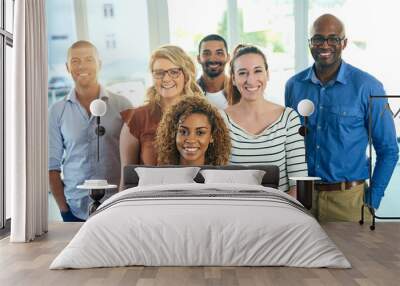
(279, 144)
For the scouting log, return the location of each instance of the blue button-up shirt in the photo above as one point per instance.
(337, 137)
(73, 146)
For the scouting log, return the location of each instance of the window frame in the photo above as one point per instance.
(6, 39)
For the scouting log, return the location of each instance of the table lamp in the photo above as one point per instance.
(305, 109)
(98, 108)
(305, 185)
(96, 187)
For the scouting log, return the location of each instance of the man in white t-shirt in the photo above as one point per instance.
(213, 56)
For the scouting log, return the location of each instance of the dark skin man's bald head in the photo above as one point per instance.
(328, 20)
(326, 44)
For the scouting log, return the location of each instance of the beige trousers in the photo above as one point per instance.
(340, 205)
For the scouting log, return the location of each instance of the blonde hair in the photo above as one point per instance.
(178, 57)
(217, 152)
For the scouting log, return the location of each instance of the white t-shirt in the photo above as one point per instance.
(217, 99)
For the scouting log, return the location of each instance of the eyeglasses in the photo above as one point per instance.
(173, 73)
(319, 40)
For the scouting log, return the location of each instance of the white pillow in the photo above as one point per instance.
(163, 176)
(249, 177)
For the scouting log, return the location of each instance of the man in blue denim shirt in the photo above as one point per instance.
(72, 138)
(337, 137)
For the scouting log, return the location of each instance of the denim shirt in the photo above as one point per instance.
(73, 146)
(337, 137)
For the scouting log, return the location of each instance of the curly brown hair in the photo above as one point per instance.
(217, 153)
(233, 93)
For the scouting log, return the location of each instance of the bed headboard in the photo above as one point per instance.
(270, 179)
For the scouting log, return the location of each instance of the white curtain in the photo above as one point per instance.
(26, 123)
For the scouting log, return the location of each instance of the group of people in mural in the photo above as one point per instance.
(226, 119)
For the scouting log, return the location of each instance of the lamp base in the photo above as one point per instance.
(305, 189)
(96, 195)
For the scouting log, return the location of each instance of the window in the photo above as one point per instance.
(108, 10)
(366, 49)
(9, 15)
(59, 37)
(6, 43)
(124, 63)
(61, 33)
(365, 35)
(389, 204)
(110, 41)
(269, 24)
(8, 82)
(190, 21)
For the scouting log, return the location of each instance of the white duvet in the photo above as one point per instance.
(201, 224)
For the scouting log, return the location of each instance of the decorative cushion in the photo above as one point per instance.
(248, 177)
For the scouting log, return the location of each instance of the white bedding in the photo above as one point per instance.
(201, 224)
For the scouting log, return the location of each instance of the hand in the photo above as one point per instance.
(68, 216)
(369, 200)
(64, 209)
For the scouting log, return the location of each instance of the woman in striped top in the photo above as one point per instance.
(262, 132)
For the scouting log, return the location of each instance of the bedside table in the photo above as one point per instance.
(96, 193)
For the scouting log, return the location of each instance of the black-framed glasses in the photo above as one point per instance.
(331, 40)
(173, 73)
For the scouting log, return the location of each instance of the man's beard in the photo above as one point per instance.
(212, 73)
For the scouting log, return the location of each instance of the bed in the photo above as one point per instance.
(201, 223)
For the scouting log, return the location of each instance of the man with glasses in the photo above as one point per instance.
(213, 56)
(72, 138)
(337, 131)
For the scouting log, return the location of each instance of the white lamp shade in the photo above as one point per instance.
(305, 107)
(98, 107)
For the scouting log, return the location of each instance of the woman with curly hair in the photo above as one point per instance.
(193, 132)
(173, 74)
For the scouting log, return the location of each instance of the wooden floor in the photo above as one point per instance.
(374, 255)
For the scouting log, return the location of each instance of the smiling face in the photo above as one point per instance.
(168, 87)
(327, 55)
(83, 65)
(250, 76)
(213, 58)
(193, 138)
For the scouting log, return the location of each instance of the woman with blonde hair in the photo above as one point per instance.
(193, 132)
(261, 131)
(173, 74)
